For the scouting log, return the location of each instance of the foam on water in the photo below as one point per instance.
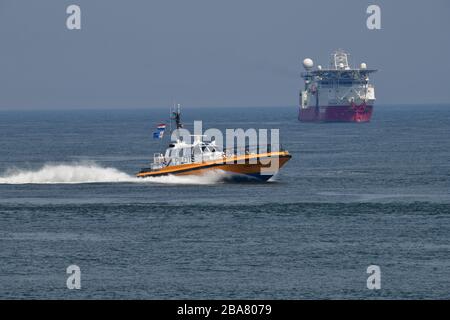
(78, 173)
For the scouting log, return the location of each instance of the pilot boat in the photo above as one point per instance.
(203, 157)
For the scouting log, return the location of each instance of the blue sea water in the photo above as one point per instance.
(353, 195)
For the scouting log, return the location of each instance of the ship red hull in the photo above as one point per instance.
(349, 113)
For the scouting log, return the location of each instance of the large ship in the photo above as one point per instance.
(339, 93)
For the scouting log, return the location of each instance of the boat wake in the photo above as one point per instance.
(79, 173)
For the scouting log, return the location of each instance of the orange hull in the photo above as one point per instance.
(259, 166)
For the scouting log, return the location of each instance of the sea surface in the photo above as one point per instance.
(353, 195)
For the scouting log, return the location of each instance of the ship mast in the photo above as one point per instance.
(339, 60)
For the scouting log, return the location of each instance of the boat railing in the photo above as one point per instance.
(253, 149)
(158, 158)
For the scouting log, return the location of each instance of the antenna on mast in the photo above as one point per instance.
(176, 115)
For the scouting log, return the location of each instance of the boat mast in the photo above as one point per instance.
(176, 116)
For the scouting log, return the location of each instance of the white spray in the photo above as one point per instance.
(77, 173)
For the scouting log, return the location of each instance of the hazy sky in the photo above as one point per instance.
(145, 53)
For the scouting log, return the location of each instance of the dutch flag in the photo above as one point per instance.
(159, 133)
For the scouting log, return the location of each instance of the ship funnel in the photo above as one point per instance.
(308, 64)
(363, 66)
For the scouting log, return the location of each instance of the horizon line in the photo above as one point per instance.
(198, 107)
